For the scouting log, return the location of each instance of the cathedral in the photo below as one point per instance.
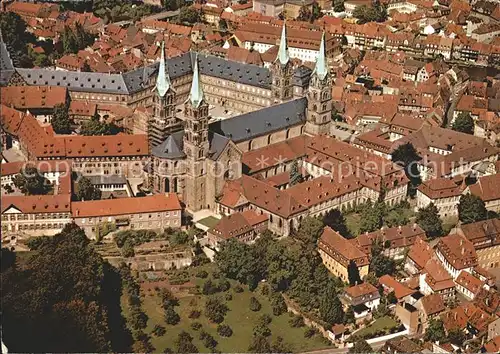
(194, 157)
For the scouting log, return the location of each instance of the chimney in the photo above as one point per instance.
(414, 226)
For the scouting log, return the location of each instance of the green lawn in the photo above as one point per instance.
(209, 221)
(239, 317)
(383, 323)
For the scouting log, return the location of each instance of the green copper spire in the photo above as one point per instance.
(163, 79)
(196, 93)
(321, 68)
(283, 50)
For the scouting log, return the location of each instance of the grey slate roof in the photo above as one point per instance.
(6, 65)
(75, 81)
(171, 148)
(301, 76)
(234, 71)
(263, 121)
(110, 179)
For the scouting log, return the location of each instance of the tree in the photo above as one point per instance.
(338, 5)
(184, 343)
(406, 155)
(86, 191)
(31, 182)
(177, 237)
(330, 307)
(15, 36)
(464, 123)
(471, 209)
(295, 174)
(255, 304)
(259, 344)
(364, 14)
(280, 346)
(223, 25)
(336, 220)
(60, 119)
(304, 13)
(171, 317)
(310, 230)
(278, 304)
(372, 217)
(391, 298)
(435, 331)
(159, 330)
(349, 316)
(209, 342)
(189, 15)
(66, 296)
(215, 309)
(428, 219)
(456, 336)
(353, 273)
(382, 265)
(95, 127)
(361, 346)
(224, 330)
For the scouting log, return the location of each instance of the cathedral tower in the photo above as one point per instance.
(164, 120)
(196, 144)
(282, 71)
(319, 96)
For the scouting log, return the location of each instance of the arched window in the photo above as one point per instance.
(250, 145)
(269, 139)
(287, 133)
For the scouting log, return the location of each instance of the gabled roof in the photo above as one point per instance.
(171, 148)
(263, 121)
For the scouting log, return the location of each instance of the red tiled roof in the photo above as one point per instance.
(332, 243)
(433, 304)
(32, 204)
(487, 188)
(391, 284)
(30, 97)
(458, 251)
(398, 236)
(361, 290)
(437, 277)
(123, 206)
(237, 224)
(493, 345)
(469, 282)
(436, 188)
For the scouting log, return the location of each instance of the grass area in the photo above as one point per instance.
(209, 221)
(352, 221)
(382, 324)
(239, 317)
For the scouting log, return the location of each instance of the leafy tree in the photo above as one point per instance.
(189, 15)
(336, 220)
(209, 342)
(406, 155)
(16, 37)
(224, 330)
(60, 119)
(159, 330)
(66, 296)
(184, 343)
(456, 336)
(209, 288)
(305, 13)
(223, 25)
(372, 217)
(86, 191)
(259, 344)
(139, 319)
(435, 331)
(31, 182)
(330, 307)
(353, 273)
(295, 174)
(280, 346)
(391, 298)
(261, 330)
(471, 209)
(382, 265)
(428, 219)
(349, 316)
(361, 346)
(95, 127)
(310, 230)
(255, 304)
(310, 332)
(296, 321)
(278, 304)
(338, 5)
(464, 123)
(196, 325)
(215, 309)
(171, 317)
(381, 310)
(364, 14)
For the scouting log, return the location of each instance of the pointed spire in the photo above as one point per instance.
(283, 50)
(321, 68)
(163, 79)
(196, 93)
